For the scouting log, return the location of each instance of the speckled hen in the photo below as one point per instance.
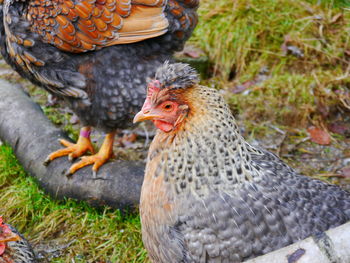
(95, 54)
(14, 248)
(208, 195)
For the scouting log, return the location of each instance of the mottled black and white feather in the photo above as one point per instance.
(105, 88)
(20, 251)
(176, 76)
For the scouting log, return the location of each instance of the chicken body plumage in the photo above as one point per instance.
(14, 248)
(209, 196)
(96, 55)
(19, 251)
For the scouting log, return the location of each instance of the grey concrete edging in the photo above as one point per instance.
(332, 246)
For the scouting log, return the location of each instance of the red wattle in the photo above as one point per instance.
(162, 125)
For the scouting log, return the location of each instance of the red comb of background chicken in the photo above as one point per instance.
(6, 235)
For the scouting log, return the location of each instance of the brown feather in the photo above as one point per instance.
(97, 23)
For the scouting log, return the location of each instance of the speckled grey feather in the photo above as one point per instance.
(209, 196)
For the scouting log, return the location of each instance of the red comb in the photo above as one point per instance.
(4, 229)
(2, 245)
(153, 86)
(6, 235)
(2, 248)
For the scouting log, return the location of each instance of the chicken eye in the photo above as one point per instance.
(168, 107)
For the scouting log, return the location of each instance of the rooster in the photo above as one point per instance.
(208, 195)
(13, 247)
(96, 55)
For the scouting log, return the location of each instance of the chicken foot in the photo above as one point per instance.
(104, 154)
(74, 150)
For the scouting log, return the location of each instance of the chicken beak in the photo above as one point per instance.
(143, 116)
(11, 237)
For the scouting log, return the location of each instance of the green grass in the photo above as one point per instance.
(96, 234)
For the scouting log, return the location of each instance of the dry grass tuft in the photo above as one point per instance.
(305, 47)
